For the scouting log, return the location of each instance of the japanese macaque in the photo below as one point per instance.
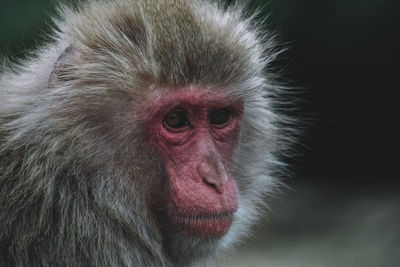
(142, 134)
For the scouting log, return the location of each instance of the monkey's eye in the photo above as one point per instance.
(220, 116)
(176, 119)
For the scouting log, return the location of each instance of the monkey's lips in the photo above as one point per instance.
(204, 225)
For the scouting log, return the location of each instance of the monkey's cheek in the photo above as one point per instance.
(211, 227)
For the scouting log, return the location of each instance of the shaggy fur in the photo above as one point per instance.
(76, 178)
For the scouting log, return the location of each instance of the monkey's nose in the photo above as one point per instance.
(213, 176)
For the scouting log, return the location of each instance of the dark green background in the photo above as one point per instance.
(343, 53)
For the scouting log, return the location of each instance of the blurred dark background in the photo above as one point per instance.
(344, 56)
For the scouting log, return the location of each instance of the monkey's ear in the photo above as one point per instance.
(64, 66)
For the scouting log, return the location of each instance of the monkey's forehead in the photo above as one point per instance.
(163, 101)
(169, 42)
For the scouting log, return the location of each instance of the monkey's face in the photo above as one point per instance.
(195, 132)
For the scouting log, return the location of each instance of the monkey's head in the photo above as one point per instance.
(159, 114)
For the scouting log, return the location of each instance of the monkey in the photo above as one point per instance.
(142, 133)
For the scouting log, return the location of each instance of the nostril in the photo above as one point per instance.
(212, 176)
(208, 183)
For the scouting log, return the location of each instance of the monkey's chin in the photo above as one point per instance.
(204, 226)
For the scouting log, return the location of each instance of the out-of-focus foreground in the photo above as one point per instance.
(328, 225)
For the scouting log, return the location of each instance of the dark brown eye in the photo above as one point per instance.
(220, 116)
(176, 119)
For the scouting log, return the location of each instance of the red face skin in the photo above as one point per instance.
(202, 194)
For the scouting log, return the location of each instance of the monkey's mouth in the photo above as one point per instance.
(204, 225)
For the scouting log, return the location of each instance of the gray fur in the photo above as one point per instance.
(76, 177)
